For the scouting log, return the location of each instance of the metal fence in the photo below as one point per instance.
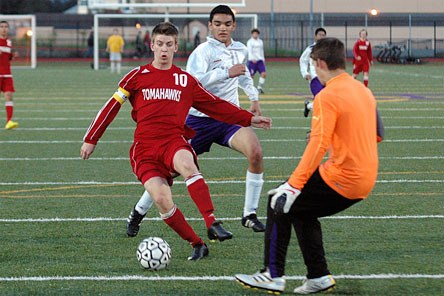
(418, 35)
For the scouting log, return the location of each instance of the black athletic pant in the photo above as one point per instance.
(316, 200)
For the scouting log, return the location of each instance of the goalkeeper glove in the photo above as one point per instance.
(283, 197)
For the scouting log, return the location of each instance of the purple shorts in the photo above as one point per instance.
(259, 66)
(209, 131)
(315, 86)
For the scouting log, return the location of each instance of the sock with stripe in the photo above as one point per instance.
(200, 193)
(9, 106)
(176, 220)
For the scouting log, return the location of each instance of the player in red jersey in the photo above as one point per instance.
(362, 56)
(6, 81)
(161, 95)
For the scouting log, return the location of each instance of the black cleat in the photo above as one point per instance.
(199, 251)
(134, 220)
(306, 109)
(217, 232)
(261, 91)
(252, 222)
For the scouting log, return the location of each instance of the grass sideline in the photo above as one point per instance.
(390, 244)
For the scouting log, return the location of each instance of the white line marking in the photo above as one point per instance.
(206, 278)
(205, 158)
(107, 219)
(274, 117)
(407, 74)
(93, 111)
(130, 141)
(275, 128)
(181, 182)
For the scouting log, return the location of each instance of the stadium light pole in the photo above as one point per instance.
(311, 19)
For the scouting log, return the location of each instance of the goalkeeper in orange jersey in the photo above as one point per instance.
(345, 125)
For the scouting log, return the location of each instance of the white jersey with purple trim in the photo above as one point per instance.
(306, 63)
(255, 49)
(210, 62)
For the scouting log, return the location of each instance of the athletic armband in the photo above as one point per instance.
(121, 95)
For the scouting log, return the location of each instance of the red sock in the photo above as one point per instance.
(9, 106)
(366, 82)
(200, 193)
(177, 222)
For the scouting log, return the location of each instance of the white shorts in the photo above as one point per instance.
(115, 56)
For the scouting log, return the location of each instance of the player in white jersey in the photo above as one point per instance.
(308, 70)
(256, 58)
(219, 64)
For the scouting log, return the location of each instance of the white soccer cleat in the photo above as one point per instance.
(323, 284)
(262, 280)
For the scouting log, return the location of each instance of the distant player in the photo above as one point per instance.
(256, 58)
(218, 64)
(6, 80)
(161, 95)
(308, 70)
(362, 56)
(114, 46)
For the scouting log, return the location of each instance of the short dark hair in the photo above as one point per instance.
(222, 9)
(165, 28)
(332, 51)
(255, 30)
(320, 30)
(4, 22)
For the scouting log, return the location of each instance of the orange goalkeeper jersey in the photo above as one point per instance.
(344, 124)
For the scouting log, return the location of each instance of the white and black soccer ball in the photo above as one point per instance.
(154, 253)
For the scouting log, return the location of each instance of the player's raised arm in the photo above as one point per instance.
(102, 120)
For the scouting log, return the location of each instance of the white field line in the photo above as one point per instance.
(380, 109)
(205, 158)
(274, 117)
(407, 74)
(274, 128)
(208, 278)
(108, 219)
(94, 111)
(404, 181)
(130, 141)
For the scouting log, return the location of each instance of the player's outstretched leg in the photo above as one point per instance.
(200, 194)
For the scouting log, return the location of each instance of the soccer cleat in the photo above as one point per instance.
(323, 284)
(251, 221)
(262, 280)
(134, 220)
(11, 125)
(260, 90)
(217, 232)
(199, 251)
(306, 108)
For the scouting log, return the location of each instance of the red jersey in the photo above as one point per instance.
(5, 57)
(161, 100)
(363, 49)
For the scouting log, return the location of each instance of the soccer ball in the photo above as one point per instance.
(154, 253)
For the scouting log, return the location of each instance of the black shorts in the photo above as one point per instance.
(317, 199)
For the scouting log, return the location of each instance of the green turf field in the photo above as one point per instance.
(62, 219)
